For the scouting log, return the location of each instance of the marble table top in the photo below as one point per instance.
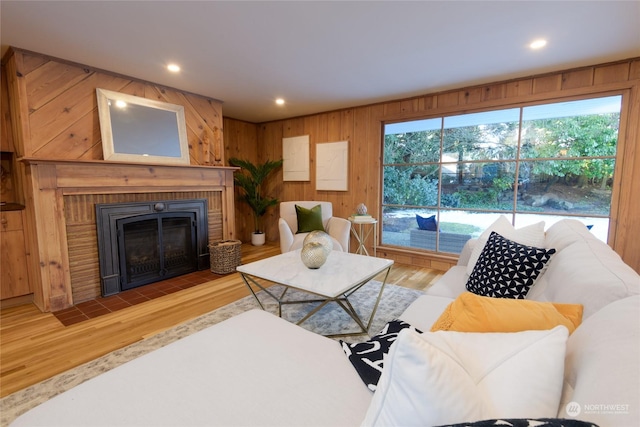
(338, 274)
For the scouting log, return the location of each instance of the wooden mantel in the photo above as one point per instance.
(48, 181)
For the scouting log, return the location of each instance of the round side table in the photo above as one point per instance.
(362, 230)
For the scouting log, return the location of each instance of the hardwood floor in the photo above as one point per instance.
(35, 346)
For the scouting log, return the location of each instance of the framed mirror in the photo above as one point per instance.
(136, 129)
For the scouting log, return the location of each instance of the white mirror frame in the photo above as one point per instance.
(105, 97)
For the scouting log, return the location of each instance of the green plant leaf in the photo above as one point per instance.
(250, 179)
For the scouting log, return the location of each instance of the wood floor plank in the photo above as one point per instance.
(35, 346)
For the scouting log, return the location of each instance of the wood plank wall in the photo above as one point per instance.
(7, 141)
(71, 131)
(362, 127)
(6, 134)
(53, 116)
(62, 112)
(241, 141)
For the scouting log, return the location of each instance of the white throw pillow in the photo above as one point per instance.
(448, 377)
(601, 365)
(531, 235)
(588, 272)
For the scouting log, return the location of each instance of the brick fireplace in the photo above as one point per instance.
(144, 242)
(63, 196)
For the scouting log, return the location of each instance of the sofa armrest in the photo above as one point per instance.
(463, 259)
(452, 283)
(286, 235)
(339, 229)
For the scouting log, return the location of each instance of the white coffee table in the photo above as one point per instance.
(339, 277)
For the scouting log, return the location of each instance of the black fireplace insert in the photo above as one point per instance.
(145, 242)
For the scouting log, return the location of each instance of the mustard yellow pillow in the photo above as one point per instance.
(475, 313)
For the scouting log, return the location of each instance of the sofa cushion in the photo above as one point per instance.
(565, 232)
(451, 284)
(465, 254)
(309, 219)
(474, 313)
(531, 235)
(602, 366)
(424, 311)
(506, 269)
(367, 357)
(252, 369)
(448, 377)
(586, 272)
(427, 223)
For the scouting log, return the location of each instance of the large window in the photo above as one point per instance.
(446, 179)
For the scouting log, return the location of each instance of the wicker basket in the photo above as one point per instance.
(225, 256)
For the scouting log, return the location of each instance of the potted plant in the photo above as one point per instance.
(250, 180)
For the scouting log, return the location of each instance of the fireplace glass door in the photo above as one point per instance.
(156, 247)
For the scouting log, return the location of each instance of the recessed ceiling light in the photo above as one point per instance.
(280, 101)
(174, 68)
(537, 44)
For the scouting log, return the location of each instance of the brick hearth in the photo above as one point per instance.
(103, 305)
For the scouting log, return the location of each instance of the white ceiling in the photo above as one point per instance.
(322, 55)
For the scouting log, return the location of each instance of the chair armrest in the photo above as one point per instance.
(286, 235)
(339, 229)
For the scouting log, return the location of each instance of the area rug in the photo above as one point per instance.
(330, 319)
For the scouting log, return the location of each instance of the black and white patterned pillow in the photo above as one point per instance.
(506, 269)
(521, 422)
(367, 357)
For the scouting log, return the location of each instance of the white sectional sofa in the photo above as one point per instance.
(259, 370)
(602, 365)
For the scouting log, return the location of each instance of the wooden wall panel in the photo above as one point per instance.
(6, 133)
(241, 141)
(72, 131)
(471, 96)
(50, 80)
(362, 127)
(71, 105)
(56, 131)
(28, 63)
(210, 130)
(634, 70)
(613, 73)
(449, 99)
(547, 84)
(493, 92)
(577, 79)
(627, 224)
(18, 108)
(427, 103)
(518, 88)
(63, 114)
(410, 105)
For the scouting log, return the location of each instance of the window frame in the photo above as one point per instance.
(441, 114)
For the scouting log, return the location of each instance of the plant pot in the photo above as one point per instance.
(257, 239)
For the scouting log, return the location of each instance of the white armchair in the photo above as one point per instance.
(337, 228)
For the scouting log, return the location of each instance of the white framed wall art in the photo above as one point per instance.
(332, 166)
(295, 156)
